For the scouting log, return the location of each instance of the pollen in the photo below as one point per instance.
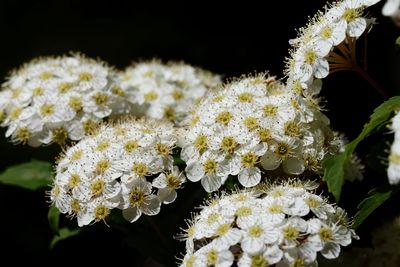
(326, 32)
(282, 150)
(89, 126)
(75, 103)
(224, 117)
(150, 96)
(173, 181)
(76, 155)
(75, 206)
(163, 149)
(291, 233)
(103, 145)
(259, 261)
(217, 99)
(97, 187)
(169, 113)
(131, 146)
(60, 135)
(101, 212)
(255, 231)
(245, 97)
(177, 95)
(270, 110)
(15, 113)
(298, 263)
(100, 99)
(223, 229)
(312, 202)
(243, 212)
(74, 180)
(47, 110)
(85, 76)
(136, 197)
(16, 93)
(117, 90)
(210, 166)
(351, 14)
(250, 159)
(326, 234)
(264, 134)
(310, 56)
(251, 123)
(292, 129)
(394, 158)
(45, 75)
(38, 91)
(228, 144)
(64, 87)
(212, 257)
(140, 169)
(275, 209)
(201, 143)
(212, 218)
(102, 166)
(23, 134)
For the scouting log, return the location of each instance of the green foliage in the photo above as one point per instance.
(376, 198)
(63, 234)
(53, 217)
(398, 40)
(335, 165)
(31, 175)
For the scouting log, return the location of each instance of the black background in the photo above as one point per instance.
(233, 39)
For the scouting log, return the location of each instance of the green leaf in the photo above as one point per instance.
(31, 175)
(376, 198)
(335, 165)
(398, 40)
(53, 217)
(64, 233)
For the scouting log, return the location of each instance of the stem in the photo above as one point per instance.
(365, 66)
(156, 229)
(374, 84)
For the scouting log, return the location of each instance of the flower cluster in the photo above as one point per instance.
(118, 167)
(54, 99)
(250, 125)
(394, 157)
(166, 90)
(285, 224)
(340, 23)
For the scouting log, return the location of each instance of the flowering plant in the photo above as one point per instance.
(133, 144)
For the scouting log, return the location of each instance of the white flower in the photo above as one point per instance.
(328, 238)
(138, 199)
(269, 256)
(394, 157)
(167, 183)
(391, 8)
(337, 26)
(213, 255)
(256, 235)
(109, 169)
(56, 99)
(267, 226)
(166, 90)
(249, 126)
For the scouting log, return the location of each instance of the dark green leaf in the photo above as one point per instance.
(31, 175)
(398, 40)
(371, 203)
(335, 165)
(64, 233)
(53, 217)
